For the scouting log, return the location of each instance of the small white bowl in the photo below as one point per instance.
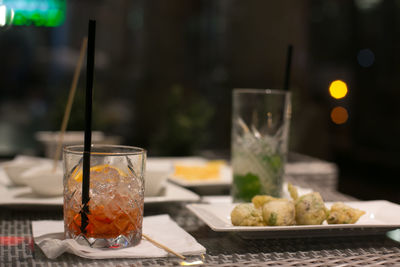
(157, 172)
(50, 140)
(43, 180)
(20, 164)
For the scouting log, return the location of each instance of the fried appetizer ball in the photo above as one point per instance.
(340, 213)
(310, 209)
(293, 191)
(279, 212)
(259, 200)
(246, 214)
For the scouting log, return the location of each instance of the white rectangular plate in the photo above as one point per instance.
(224, 180)
(174, 193)
(22, 196)
(380, 215)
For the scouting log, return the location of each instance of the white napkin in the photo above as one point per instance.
(49, 236)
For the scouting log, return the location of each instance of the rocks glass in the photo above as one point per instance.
(116, 195)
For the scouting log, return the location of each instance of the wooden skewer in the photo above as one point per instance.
(243, 125)
(69, 103)
(163, 247)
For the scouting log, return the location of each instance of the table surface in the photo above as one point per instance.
(223, 249)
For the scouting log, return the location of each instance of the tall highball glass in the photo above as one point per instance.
(260, 126)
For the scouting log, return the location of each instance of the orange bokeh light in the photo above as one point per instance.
(339, 115)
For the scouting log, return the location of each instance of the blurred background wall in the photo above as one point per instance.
(165, 71)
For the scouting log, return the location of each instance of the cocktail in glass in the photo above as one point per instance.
(260, 125)
(116, 195)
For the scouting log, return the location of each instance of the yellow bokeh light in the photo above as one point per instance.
(339, 115)
(338, 89)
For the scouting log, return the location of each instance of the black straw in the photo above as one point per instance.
(288, 66)
(88, 125)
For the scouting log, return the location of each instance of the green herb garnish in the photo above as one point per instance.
(247, 186)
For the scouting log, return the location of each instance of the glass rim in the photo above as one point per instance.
(131, 150)
(261, 91)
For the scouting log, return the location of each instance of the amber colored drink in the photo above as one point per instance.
(116, 196)
(103, 224)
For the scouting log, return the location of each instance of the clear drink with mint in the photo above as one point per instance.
(260, 125)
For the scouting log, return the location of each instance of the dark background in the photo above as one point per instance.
(165, 71)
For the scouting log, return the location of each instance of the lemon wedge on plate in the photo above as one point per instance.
(209, 171)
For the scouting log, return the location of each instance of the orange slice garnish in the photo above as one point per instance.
(99, 168)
